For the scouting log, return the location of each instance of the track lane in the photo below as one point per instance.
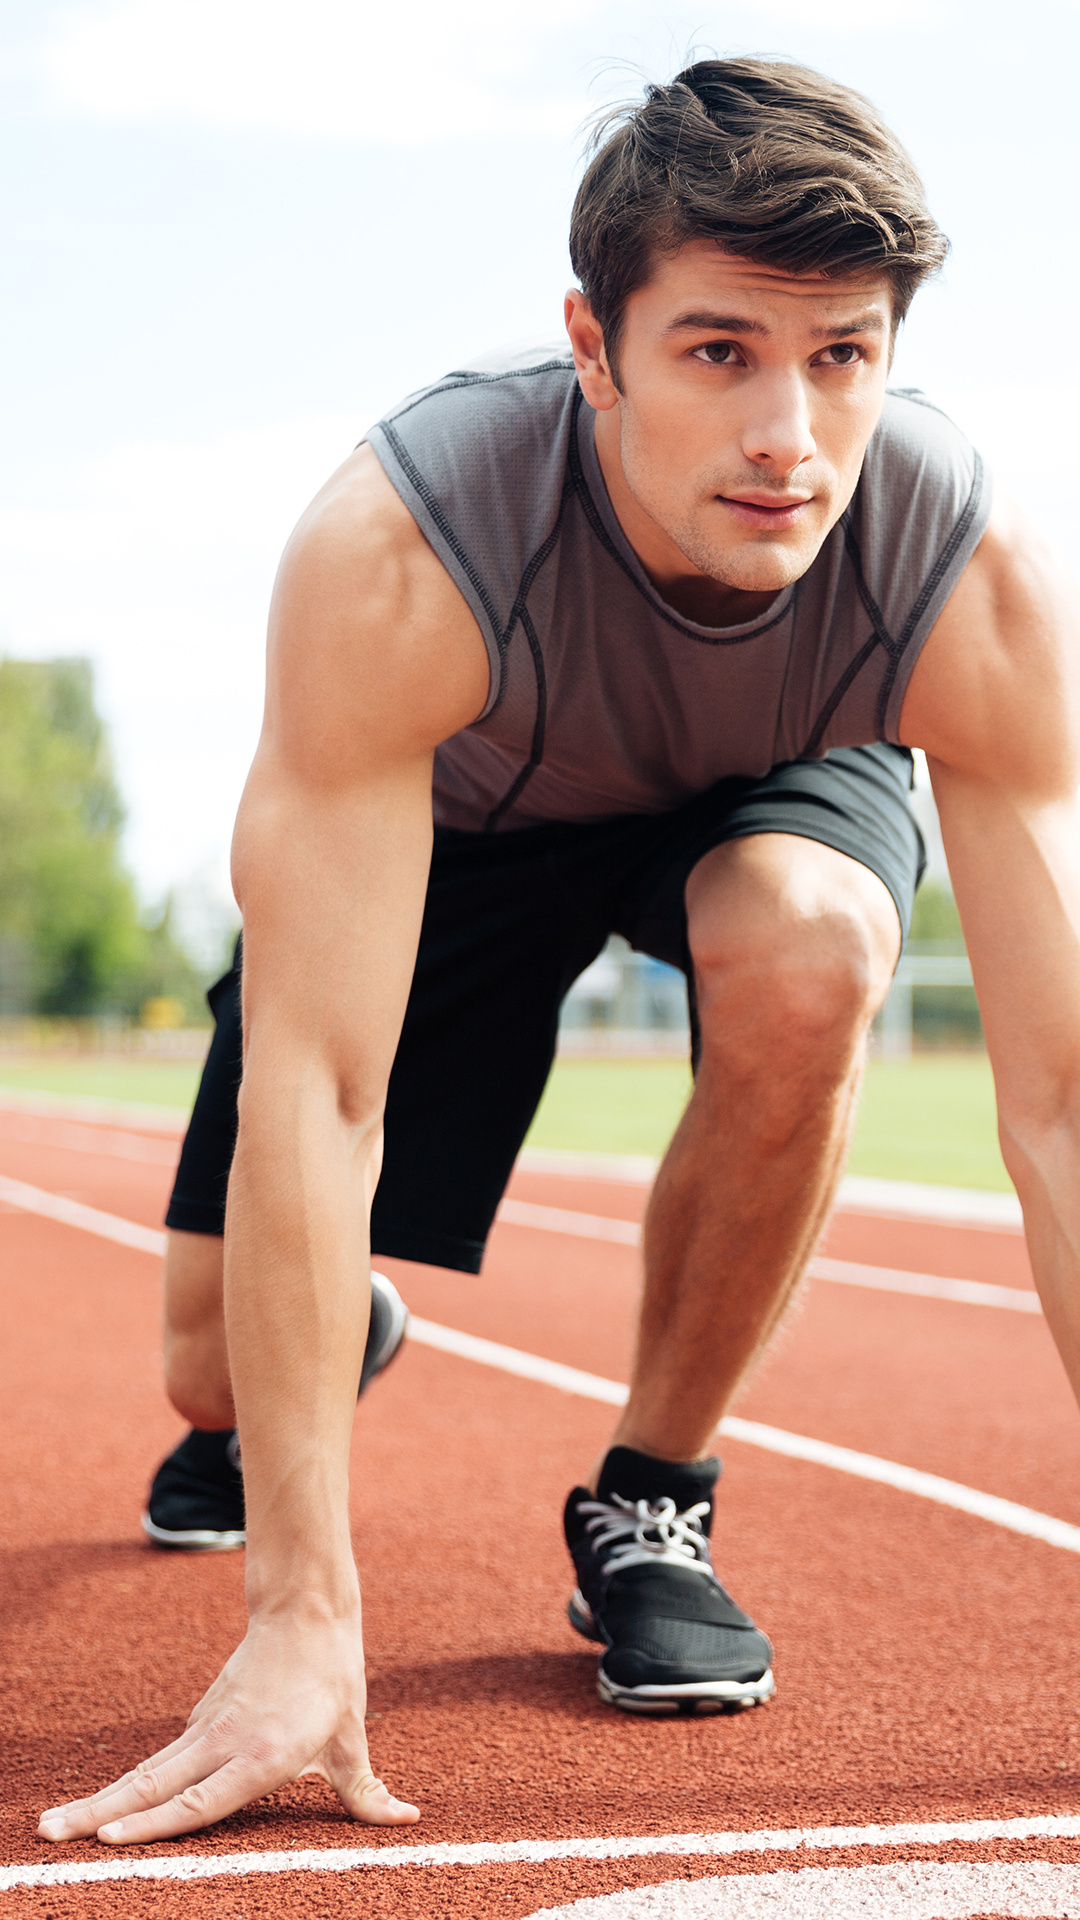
(485, 1697)
(946, 1391)
(486, 1703)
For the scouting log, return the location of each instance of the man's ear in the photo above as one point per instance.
(587, 341)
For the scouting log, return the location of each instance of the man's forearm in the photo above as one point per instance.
(1044, 1162)
(297, 1301)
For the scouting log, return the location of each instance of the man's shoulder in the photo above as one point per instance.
(916, 436)
(480, 460)
(510, 383)
(922, 502)
(488, 444)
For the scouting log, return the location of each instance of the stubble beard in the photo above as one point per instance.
(755, 566)
(761, 564)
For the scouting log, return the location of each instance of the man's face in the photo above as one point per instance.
(746, 399)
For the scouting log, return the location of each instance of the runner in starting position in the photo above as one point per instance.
(656, 619)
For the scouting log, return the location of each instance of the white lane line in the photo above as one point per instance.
(911, 1890)
(849, 1273)
(198, 1866)
(592, 1386)
(929, 1486)
(796, 1446)
(917, 1200)
(582, 1226)
(929, 1286)
(31, 1129)
(859, 1192)
(522, 1213)
(527, 1366)
(72, 1213)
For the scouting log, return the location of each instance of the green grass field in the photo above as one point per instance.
(156, 1083)
(930, 1118)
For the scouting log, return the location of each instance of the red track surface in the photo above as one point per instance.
(926, 1660)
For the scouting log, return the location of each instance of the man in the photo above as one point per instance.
(622, 607)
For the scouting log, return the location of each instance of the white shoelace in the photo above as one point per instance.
(621, 1530)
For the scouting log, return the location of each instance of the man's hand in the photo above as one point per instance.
(290, 1701)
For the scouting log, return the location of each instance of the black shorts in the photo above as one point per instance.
(511, 919)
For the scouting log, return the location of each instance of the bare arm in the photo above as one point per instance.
(995, 701)
(373, 659)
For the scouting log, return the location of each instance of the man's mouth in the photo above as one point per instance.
(766, 510)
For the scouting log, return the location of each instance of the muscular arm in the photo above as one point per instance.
(995, 701)
(373, 659)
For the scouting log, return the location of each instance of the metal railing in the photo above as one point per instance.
(896, 1022)
(627, 1002)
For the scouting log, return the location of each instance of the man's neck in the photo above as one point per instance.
(688, 591)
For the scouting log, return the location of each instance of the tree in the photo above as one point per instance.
(70, 937)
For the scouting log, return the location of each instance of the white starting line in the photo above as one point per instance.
(592, 1386)
(915, 1890)
(205, 1866)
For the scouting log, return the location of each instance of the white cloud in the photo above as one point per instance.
(346, 70)
(355, 71)
(858, 16)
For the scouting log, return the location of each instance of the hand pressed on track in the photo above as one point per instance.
(290, 1700)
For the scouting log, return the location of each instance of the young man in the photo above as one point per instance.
(623, 606)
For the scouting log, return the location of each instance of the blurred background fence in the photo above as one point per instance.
(628, 1005)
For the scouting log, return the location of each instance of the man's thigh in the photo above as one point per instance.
(503, 939)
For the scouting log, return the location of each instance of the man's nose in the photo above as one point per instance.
(777, 432)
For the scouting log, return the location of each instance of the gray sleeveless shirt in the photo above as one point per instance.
(603, 700)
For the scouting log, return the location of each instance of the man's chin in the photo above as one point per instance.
(763, 566)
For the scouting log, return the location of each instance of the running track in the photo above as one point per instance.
(926, 1657)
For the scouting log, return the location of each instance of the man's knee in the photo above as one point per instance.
(195, 1356)
(793, 947)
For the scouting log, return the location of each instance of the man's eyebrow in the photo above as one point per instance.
(715, 323)
(872, 322)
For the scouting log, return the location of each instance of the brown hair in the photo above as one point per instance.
(773, 162)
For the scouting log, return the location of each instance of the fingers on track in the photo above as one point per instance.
(185, 1787)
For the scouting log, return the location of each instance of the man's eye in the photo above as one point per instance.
(719, 353)
(843, 353)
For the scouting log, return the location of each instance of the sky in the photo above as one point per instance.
(234, 231)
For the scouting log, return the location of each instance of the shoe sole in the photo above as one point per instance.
(692, 1696)
(394, 1337)
(196, 1540)
(683, 1697)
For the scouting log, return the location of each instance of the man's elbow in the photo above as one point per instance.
(1039, 1130)
(339, 1100)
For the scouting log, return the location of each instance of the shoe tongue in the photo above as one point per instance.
(638, 1476)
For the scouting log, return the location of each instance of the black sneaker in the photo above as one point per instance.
(197, 1494)
(676, 1642)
